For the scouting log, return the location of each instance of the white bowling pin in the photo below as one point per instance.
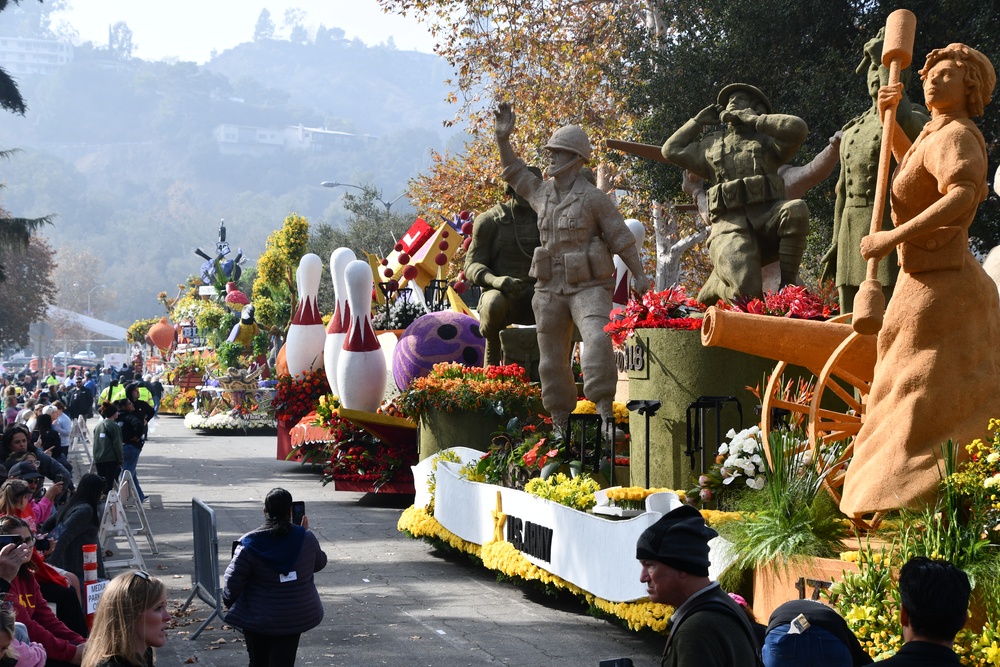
(361, 369)
(623, 277)
(306, 335)
(336, 331)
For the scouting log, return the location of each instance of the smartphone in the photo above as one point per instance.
(298, 511)
(42, 543)
(9, 539)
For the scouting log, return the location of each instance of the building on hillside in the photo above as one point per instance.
(34, 56)
(260, 141)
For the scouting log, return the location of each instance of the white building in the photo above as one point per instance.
(33, 56)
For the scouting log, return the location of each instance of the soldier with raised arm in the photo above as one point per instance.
(580, 231)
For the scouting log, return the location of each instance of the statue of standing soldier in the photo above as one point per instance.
(752, 222)
(504, 239)
(580, 230)
(859, 154)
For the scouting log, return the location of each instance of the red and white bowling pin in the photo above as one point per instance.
(336, 331)
(623, 277)
(361, 367)
(307, 334)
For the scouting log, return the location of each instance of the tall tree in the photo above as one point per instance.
(120, 42)
(265, 26)
(29, 290)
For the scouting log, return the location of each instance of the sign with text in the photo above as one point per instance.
(633, 358)
(94, 593)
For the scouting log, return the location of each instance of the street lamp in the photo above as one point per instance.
(387, 204)
(89, 292)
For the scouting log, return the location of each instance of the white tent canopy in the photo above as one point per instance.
(100, 327)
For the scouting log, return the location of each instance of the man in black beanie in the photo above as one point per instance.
(707, 628)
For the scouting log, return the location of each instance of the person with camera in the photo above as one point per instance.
(269, 586)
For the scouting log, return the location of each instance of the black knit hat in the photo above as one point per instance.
(679, 539)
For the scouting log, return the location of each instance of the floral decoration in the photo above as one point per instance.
(634, 497)
(452, 387)
(297, 396)
(576, 492)
(669, 309)
(401, 314)
(792, 301)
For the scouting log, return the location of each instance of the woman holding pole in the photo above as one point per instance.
(938, 365)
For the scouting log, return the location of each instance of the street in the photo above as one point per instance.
(389, 599)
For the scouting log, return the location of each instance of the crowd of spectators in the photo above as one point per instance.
(56, 519)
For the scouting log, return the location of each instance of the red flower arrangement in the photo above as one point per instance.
(792, 301)
(295, 397)
(670, 309)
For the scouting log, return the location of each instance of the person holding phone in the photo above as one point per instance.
(269, 587)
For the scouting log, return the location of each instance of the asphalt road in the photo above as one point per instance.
(389, 599)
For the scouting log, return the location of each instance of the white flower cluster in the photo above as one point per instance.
(744, 458)
(401, 315)
(186, 312)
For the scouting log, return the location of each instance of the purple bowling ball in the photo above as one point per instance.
(435, 338)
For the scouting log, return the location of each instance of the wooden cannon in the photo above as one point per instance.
(842, 360)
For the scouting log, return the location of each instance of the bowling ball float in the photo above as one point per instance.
(435, 338)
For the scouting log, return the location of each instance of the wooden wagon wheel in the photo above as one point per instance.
(772, 398)
(828, 427)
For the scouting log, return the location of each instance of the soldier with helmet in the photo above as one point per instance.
(580, 230)
(504, 239)
(859, 155)
(752, 222)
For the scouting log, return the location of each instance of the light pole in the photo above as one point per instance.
(90, 313)
(387, 204)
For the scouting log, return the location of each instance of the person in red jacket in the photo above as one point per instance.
(62, 645)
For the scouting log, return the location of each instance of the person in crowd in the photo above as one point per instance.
(156, 390)
(108, 450)
(63, 425)
(15, 651)
(44, 436)
(133, 428)
(933, 607)
(806, 632)
(269, 586)
(76, 524)
(708, 629)
(10, 409)
(43, 506)
(131, 621)
(62, 645)
(81, 401)
(15, 495)
(27, 412)
(16, 441)
(103, 382)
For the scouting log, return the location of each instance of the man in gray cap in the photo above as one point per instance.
(707, 628)
(752, 221)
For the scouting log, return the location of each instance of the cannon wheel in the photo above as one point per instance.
(825, 426)
(828, 427)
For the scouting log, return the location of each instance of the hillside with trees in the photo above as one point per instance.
(125, 154)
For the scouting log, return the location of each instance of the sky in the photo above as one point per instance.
(191, 29)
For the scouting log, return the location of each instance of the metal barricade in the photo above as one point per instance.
(206, 562)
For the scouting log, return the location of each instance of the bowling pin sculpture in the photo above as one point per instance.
(336, 331)
(307, 334)
(622, 276)
(361, 370)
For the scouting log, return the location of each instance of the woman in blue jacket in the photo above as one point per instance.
(269, 586)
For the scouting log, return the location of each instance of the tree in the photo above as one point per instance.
(27, 294)
(79, 274)
(294, 19)
(120, 41)
(265, 26)
(274, 292)
(369, 229)
(16, 233)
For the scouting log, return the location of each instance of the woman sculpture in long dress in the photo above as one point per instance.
(938, 371)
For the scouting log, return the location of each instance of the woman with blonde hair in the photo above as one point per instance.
(131, 621)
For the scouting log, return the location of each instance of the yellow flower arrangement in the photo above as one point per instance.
(576, 492)
(418, 522)
(504, 558)
(634, 497)
(585, 407)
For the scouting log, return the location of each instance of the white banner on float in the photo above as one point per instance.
(592, 552)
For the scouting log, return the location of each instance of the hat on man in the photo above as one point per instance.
(754, 91)
(679, 539)
(24, 470)
(49, 410)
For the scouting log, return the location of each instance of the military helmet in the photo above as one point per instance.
(571, 138)
(728, 91)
